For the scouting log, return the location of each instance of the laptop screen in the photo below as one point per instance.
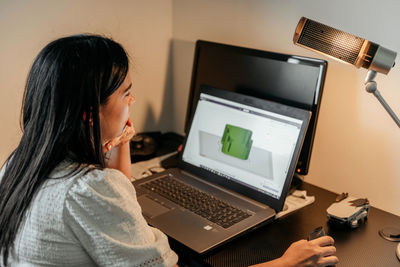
(251, 145)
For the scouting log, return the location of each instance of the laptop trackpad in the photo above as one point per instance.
(151, 208)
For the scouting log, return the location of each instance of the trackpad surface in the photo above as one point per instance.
(151, 208)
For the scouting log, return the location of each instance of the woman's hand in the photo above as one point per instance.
(117, 151)
(125, 137)
(317, 253)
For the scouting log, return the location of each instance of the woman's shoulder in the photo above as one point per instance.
(104, 181)
(87, 174)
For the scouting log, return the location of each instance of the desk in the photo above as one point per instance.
(358, 247)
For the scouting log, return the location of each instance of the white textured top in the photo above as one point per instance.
(88, 219)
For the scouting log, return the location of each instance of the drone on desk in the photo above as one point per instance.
(348, 211)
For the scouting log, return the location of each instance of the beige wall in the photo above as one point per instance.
(357, 145)
(144, 28)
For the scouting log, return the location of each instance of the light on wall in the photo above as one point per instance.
(348, 48)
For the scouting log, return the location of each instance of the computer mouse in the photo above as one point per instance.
(317, 232)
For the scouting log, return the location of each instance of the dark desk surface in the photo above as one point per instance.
(358, 247)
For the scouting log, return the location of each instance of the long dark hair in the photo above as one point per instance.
(69, 79)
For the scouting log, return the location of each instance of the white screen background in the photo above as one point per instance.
(268, 134)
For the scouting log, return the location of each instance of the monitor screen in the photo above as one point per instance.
(292, 80)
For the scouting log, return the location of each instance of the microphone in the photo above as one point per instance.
(343, 46)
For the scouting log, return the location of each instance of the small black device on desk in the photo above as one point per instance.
(317, 232)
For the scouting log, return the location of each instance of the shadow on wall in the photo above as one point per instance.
(151, 122)
(176, 89)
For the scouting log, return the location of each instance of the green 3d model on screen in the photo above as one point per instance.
(236, 142)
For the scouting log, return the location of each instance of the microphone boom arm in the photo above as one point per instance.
(371, 87)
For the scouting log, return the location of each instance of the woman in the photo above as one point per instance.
(64, 194)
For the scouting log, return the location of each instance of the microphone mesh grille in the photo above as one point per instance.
(330, 41)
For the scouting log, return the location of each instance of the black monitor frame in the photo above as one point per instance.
(224, 66)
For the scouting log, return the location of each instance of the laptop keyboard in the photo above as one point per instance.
(201, 203)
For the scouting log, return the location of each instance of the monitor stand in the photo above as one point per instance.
(295, 199)
(297, 182)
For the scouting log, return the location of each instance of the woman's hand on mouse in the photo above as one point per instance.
(318, 252)
(125, 137)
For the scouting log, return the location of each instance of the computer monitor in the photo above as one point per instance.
(288, 79)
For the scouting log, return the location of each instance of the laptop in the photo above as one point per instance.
(234, 170)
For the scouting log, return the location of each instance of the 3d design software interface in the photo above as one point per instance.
(246, 144)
